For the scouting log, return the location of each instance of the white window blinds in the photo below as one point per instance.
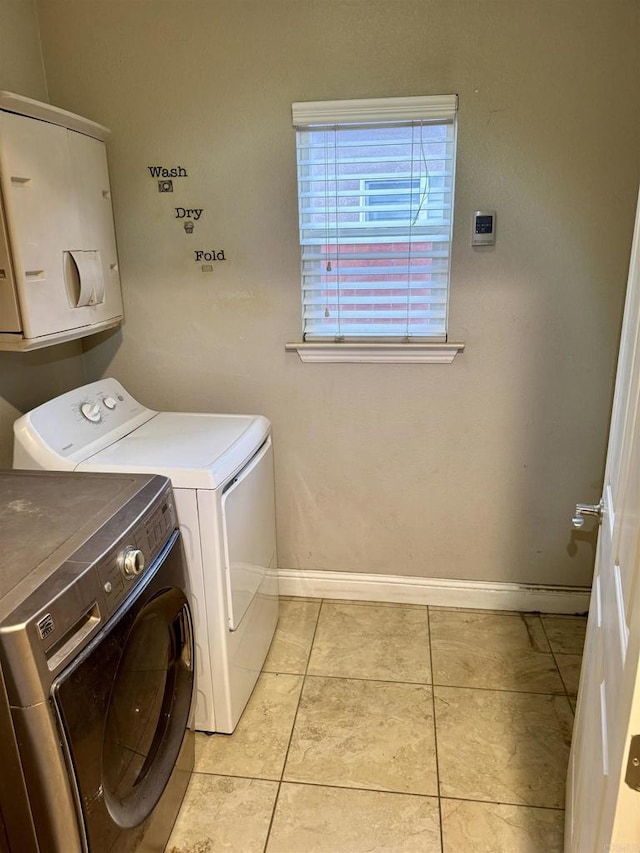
(375, 192)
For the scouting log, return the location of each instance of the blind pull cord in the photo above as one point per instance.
(412, 222)
(339, 336)
(327, 313)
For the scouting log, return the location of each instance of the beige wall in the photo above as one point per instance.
(463, 471)
(21, 68)
(28, 379)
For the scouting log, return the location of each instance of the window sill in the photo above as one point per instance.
(391, 353)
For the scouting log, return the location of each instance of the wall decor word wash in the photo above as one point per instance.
(165, 175)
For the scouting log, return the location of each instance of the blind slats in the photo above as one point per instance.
(316, 186)
(315, 308)
(311, 256)
(365, 273)
(412, 294)
(371, 159)
(360, 237)
(435, 294)
(363, 193)
(375, 214)
(401, 316)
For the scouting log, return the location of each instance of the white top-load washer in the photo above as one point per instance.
(221, 469)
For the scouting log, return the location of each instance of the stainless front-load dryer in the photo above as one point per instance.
(96, 656)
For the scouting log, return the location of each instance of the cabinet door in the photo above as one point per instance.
(59, 218)
(93, 199)
(9, 312)
(41, 219)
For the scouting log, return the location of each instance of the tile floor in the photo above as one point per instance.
(393, 729)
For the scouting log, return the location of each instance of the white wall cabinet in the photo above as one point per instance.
(59, 276)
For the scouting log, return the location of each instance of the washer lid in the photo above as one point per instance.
(196, 451)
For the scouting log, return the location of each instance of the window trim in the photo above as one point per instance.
(377, 352)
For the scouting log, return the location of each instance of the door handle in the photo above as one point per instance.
(587, 509)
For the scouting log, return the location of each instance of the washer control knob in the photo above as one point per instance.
(91, 411)
(109, 402)
(131, 562)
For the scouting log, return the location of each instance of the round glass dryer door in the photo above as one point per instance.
(124, 706)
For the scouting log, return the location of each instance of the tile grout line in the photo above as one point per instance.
(293, 725)
(555, 660)
(303, 672)
(306, 675)
(435, 733)
(386, 791)
(431, 684)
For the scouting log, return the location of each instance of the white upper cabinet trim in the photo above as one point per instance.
(54, 115)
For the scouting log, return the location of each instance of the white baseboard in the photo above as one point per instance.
(439, 592)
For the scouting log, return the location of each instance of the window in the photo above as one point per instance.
(385, 200)
(375, 196)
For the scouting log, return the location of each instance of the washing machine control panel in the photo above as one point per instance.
(97, 407)
(131, 562)
(76, 424)
(138, 552)
(91, 411)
